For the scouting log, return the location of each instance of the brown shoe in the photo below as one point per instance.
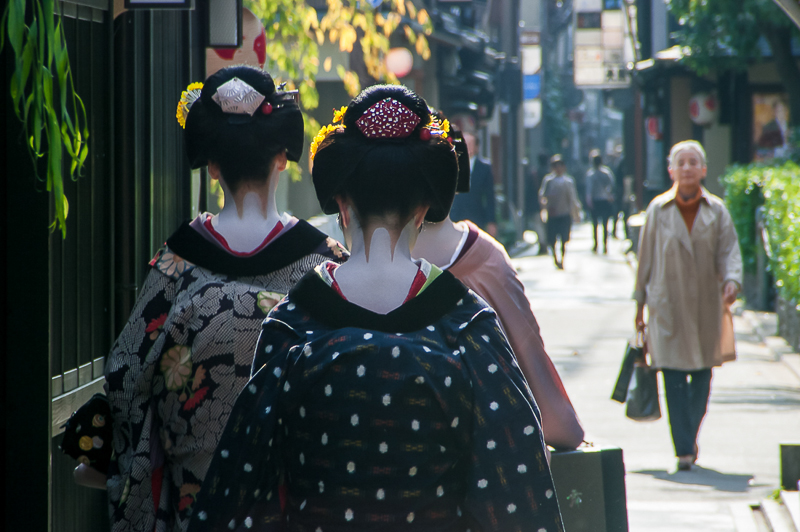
(685, 462)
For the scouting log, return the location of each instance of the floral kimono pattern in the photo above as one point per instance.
(347, 426)
(177, 367)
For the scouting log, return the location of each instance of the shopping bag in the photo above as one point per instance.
(634, 351)
(642, 401)
(727, 341)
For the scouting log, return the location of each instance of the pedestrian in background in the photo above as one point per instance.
(532, 208)
(186, 351)
(389, 399)
(478, 206)
(689, 267)
(599, 196)
(559, 201)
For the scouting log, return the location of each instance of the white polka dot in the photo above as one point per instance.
(387, 399)
(252, 388)
(227, 491)
(303, 504)
(458, 511)
(302, 459)
(351, 467)
(426, 348)
(454, 424)
(309, 332)
(202, 516)
(395, 351)
(247, 430)
(268, 410)
(441, 448)
(319, 529)
(328, 390)
(410, 517)
(439, 491)
(511, 508)
(270, 442)
(548, 494)
(491, 444)
(248, 468)
(383, 448)
(415, 425)
(321, 486)
(286, 387)
(354, 420)
(224, 453)
(456, 352)
(463, 325)
(290, 306)
(460, 302)
(492, 368)
(420, 380)
(302, 411)
(431, 328)
(307, 350)
(277, 372)
(268, 349)
(269, 495)
(325, 439)
(380, 495)
(542, 530)
(232, 524)
(522, 468)
(334, 355)
(448, 381)
(361, 371)
(462, 349)
(528, 430)
(482, 483)
(248, 522)
(367, 336)
(256, 494)
(485, 338)
(348, 514)
(493, 405)
(413, 471)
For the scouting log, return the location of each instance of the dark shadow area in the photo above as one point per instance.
(773, 395)
(700, 476)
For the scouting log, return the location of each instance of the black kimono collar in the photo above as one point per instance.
(322, 302)
(294, 244)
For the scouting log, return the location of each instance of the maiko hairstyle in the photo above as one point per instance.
(394, 170)
(242, 144)
(687, 145)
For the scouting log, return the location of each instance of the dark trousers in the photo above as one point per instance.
(687, 401)
(602, 210)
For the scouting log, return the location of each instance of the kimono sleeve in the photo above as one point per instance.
(241, 487)
(510, 488)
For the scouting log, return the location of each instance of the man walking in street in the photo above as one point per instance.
(478, 205)
(599, 196)
(559, 200)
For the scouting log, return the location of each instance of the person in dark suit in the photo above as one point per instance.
(477, 205)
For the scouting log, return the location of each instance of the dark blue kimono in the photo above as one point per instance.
(415, 420)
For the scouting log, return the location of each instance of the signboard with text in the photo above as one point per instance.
(602, 45)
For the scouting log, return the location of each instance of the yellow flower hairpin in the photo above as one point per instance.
(323, 133)
(188, 97)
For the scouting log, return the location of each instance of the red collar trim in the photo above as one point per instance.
(224, 243)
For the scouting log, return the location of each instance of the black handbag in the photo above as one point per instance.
(642, 402)
(87, 433)
(633, 353)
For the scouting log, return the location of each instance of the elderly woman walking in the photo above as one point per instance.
(689, 267)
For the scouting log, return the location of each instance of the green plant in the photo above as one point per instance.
(41, 75)
(777, 187)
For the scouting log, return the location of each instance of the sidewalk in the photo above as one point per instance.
(586, 316)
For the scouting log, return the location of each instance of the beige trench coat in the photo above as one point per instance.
(680, 279)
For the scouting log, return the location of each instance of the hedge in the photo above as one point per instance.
(777, 188)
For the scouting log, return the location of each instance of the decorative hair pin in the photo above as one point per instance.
(323, 133)
(188, 97)
(238, 98)
(388, 119)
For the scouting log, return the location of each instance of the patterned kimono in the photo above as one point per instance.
(177, 367)
(416, 420)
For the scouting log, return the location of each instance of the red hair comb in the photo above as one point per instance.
(388, 119)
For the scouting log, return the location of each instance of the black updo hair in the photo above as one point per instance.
(387, 175)
(243, 146)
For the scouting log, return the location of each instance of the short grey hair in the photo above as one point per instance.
(687, 145)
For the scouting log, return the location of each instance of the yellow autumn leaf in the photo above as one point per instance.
(412, 10)
(327, 64)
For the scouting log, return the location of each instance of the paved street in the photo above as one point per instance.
(586, 315)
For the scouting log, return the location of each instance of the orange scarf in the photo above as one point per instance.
(689, 207)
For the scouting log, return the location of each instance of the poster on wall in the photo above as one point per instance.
(770, 125)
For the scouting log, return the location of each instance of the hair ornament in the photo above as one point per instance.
(237, 97)
(188, 97)
(388, 119)
(334, 127)
(436, 128)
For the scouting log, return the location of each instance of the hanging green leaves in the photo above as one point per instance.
(42, 74)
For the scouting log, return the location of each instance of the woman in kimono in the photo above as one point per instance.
(177, 367)
(388, 398)
(481, 262)
(689, 267)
